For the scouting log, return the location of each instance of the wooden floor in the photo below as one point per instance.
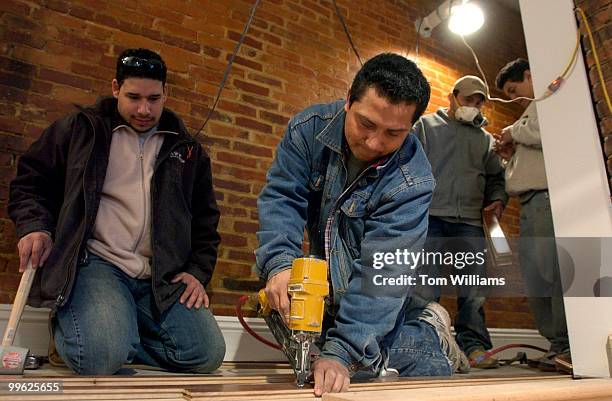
(264, 381)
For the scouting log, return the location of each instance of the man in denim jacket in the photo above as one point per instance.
(350, 173)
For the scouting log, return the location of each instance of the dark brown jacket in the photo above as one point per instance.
(57, 189)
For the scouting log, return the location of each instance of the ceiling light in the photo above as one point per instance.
(465, 19)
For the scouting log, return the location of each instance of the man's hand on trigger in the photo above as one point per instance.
(276, 292)
(36, 246)
(194, 294)
(330, 376)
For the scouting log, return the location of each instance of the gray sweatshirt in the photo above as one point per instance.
(525, 170)
(469, 175)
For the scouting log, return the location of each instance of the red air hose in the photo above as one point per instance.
(244, 324)
(473, 362)
(494, 351)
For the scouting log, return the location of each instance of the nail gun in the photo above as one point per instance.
(307, 288)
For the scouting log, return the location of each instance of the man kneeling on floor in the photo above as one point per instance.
(351, 174)
(115, 206)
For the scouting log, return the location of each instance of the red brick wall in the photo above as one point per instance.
(54, 53)
(598, 15)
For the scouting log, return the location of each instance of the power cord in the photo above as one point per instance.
(596, 58)
(228, 69)
(557, 82)
(346, 31)
(418, 35)
(241, 40)
(552, 87)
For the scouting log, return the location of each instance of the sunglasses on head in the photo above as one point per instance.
(142, 63)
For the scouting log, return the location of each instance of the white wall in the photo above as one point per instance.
(577, 180)
(33, 334)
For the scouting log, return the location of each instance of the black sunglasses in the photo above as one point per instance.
(143, 63)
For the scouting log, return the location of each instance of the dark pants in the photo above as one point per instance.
(470, 328)
(540, 267)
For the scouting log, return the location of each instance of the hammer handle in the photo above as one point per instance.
(20, 299)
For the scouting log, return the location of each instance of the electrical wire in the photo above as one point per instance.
(596, 58)
(552, 87)
(228, 69)
(556, 83)
(243, 299)
(573, 58)
(418, 35)
(346, 31)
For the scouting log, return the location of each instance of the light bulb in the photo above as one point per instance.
(465, 19)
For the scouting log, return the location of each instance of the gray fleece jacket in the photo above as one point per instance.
(469, 175)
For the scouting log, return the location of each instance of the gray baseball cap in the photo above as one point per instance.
(470, 84)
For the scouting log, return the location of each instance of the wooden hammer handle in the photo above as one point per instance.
(20, 299)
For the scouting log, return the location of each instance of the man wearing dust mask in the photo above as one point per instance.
(469, 178)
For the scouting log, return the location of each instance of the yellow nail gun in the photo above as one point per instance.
(307, 288)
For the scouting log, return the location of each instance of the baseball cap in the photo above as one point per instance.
(470, 84)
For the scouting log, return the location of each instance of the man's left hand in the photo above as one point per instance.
(330, 376)
(506, 135)
(496, 207)
(194, 294)
(504, 151)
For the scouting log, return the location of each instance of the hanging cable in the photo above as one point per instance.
(552, 87)
(596, 58)
(556, 83)
(346, 31)
(416, 47)
(228, 69)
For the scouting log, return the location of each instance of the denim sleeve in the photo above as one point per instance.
(363, 320)
(495, 186)
(283, 205)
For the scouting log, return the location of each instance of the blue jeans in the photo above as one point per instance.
(111, 319)
(414, 352)
(470, 328)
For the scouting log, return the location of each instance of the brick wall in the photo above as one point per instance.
(598, 15)
(54, 53)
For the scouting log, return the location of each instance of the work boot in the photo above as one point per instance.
(563, 363)
(479, 361)
(438, 317)
(545, 363)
